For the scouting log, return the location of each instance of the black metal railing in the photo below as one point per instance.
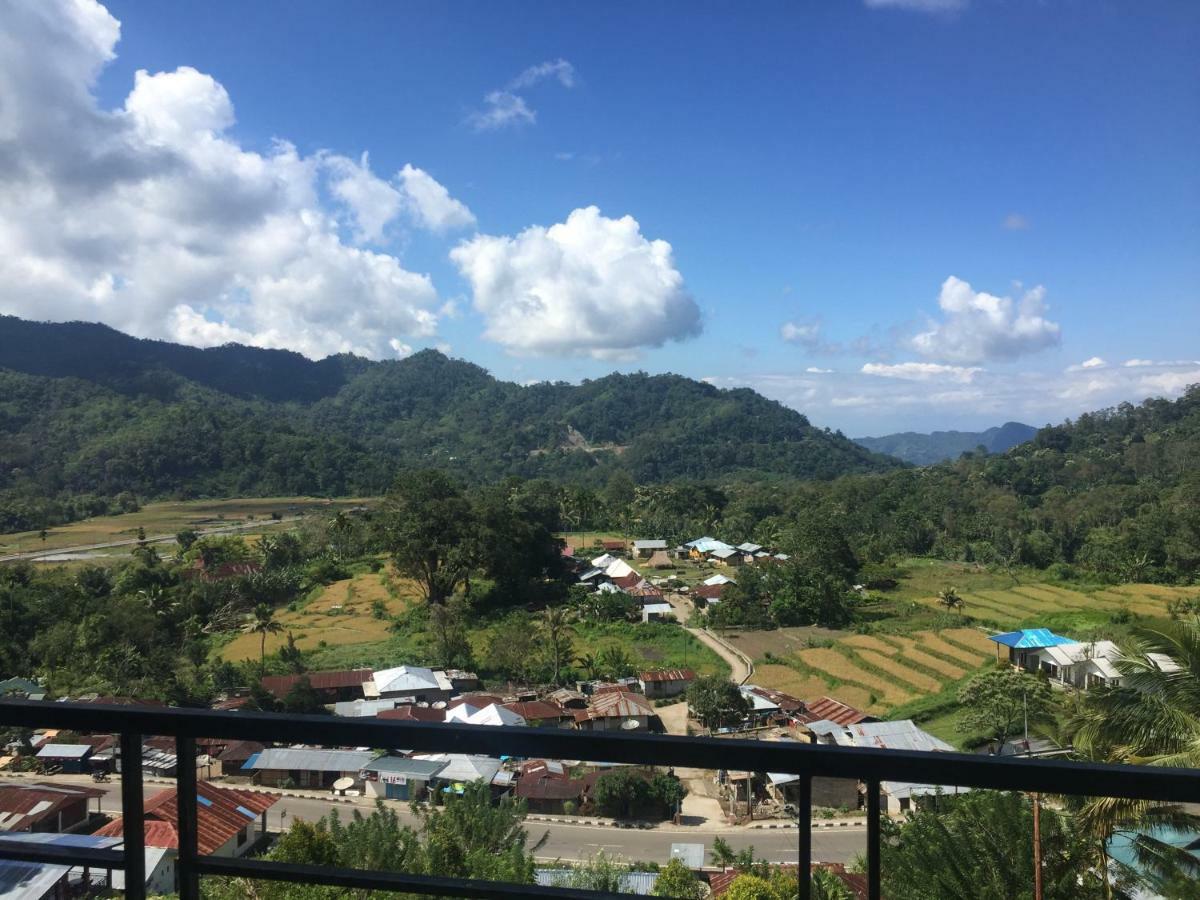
(806, 760)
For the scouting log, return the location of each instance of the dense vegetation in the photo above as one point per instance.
(88, 414)
(927, 449)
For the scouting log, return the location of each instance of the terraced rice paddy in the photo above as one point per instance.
(877, 672)
(1024, 604)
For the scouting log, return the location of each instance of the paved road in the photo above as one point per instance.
(574, 842)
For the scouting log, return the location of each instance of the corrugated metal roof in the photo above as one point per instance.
(461, 767)
(668, 675)
(305, 760)
(1030, 639)
(650, 545)
(357, 709)
(836, 711)
(400, 765)
(617, 705)
(279, 685)
(402, 679)
(899, 735)
(691, 855)
(24, 805)
(638, 883)
(65, 751)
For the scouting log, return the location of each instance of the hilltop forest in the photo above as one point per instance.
(92, 421)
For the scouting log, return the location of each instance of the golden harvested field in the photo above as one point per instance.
(809, 687)
(869, 642)
(167, 518)
(970, 638)
(911, 651)
(342, 614)
(934, 642)
(840, 667)
(779, 642)
(906, 675)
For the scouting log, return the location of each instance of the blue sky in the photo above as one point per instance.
(890, 215)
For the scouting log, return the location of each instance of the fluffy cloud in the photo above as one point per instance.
(587, 286)
(917, 371)
(979, 327)
(806, 334)
(507, 106)
(152, 218)
(431, 203)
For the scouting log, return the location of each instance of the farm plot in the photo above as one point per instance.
(912, 651)
(935, 642)
(343, 613)
(809, 687)
(843, 669)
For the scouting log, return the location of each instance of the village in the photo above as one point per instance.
(46, 790)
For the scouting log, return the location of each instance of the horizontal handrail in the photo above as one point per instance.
(817, 760)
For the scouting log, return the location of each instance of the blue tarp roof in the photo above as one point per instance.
(1031, 639)
(251, 762)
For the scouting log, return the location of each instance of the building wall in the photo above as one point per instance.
(835, 793)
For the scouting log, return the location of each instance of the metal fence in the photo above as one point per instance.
(806, 760)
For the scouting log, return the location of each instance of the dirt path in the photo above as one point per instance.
(740, 665)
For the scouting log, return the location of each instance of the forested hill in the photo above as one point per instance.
(927, 449)
(88, 413)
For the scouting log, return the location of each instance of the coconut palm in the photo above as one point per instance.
(1152, 718)
(263, 623)
(556, 626)
(949, 598)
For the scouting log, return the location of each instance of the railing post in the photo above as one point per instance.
(804, 849)
(185, 808)
(873, 865)
(133, 816)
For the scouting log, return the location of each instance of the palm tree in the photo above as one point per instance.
(1152, 718)
(556, 625)
(263, 623)
(590, 665)
(950, 599)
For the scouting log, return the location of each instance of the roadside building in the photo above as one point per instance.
(835, 711)
(45, 807)
(1064, 661)
(23, 880)
(228, 821)
(413, 713)
(459, 770)
(332, 686)
(665, 682)
(399, 778)
(541, 713)
(306, 768)
(69, 758)
(364, 709)
(707, 595)
(232, 760)
(547, 786)
(657, 612)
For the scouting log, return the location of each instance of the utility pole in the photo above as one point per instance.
(1037, 847)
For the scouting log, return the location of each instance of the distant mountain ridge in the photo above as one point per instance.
(88, 411)
(927, 449)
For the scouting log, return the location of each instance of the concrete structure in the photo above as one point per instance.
(399, 778)
(665, 682)
(306, 768)
(657, 612)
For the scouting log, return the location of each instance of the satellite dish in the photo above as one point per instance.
(630, 725)
(343, 784)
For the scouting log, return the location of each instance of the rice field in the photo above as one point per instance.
(875, 672)
(341, 614)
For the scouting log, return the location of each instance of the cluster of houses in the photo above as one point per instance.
(1067, 662)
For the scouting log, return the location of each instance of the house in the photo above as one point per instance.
(646, 549)
(704, 547)
(614, 547)
(417, 682)
(306, 768)
(459, 769)
(603, 561)
(22, 880)
(399, 778)
(492, 714)
(69, 758)
(615, 711)
(546, 786)
(666, 682)
(762, 707)
(332, 686)
(360, 708)
(228, 821)
(835, 711)
(618, 568)
(725, 556)
(232, 760)
(1064, 661)
(717, 580)
(628, 582)
(412, 713)
(707, 595)
(21, 688)
(903, 734)
(656, 612)
(45, 807)
(541, 714)
(660, 560)
(568, 699)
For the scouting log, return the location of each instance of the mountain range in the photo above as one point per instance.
(927, 449)
(88, 411)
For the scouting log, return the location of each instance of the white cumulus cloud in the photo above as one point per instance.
(152, 217)
(507, 106)
(979, 327)
(918, 371)
(807, 334)
(590, 286)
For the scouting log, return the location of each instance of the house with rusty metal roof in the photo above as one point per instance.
(618, 711)
(665, 682)
(43, 806)
(333, 686)
(228, 821)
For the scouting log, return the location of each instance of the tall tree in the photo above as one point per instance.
(428, 527)
(950, 598)
(716, 701)
(996, 702)
(556, 627)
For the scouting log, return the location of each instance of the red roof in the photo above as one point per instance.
(279, 685)
(833, 710)
(410, 713)
(668, 675)
(18, 802)
(613, 545)
(628, 582)
(785, 702)
(217, 820)
(536, 709)
(709, 591)
(240, 751)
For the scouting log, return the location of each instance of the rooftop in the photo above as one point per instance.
(1030, 639)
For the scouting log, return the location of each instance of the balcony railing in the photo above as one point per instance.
(805, 760)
